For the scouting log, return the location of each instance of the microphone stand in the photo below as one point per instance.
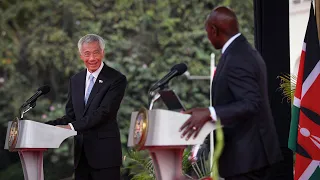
(154, 95)
(25, 108)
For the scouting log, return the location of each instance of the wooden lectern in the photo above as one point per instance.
(158, 131)
(30, 139)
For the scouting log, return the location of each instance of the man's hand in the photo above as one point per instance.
(64, 126)
(199, 116)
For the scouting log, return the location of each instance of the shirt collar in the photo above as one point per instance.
(225, 46)
(96, 73)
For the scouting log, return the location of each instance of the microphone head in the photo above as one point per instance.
(44, 89)
(180, 68)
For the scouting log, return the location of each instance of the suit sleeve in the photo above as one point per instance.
(70, 116)
(242, 77)
(109, 106)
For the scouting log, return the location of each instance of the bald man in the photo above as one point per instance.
(240, 100)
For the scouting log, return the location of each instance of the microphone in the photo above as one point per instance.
(41, 91)
(176, 70)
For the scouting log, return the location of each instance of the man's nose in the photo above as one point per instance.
(91, 57)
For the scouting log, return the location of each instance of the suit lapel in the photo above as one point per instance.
(222, 62)
(79, 94)
(100, 81)
(218, 69)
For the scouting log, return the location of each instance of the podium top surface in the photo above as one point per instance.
(34, 134)
(163, 129)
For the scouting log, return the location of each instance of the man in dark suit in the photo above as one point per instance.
(240, 101)
(93, 101)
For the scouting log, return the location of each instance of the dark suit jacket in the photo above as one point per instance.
(96, 123)
(240, 99)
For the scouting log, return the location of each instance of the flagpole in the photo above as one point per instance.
(212, 69)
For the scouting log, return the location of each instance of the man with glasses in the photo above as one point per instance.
(93, 102)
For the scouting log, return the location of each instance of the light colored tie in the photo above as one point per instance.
(91, 83)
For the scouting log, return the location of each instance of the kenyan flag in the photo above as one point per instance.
(304, 136)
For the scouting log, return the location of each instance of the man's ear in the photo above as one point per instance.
(81, 57)
(215, 29)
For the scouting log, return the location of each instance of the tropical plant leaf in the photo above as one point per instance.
(288, 85)
(140, 165)
(218, 150)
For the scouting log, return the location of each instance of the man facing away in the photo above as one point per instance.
(93, 102)
(240, 101)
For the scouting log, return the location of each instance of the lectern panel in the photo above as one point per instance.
(163, 129)
(39, 135)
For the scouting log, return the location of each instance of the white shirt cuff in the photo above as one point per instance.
(71, 126)
(213, 114)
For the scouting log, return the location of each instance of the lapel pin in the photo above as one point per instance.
(100, 81)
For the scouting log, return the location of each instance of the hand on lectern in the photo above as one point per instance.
(199, 116)
(64, 126)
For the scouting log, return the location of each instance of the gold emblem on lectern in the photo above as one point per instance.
(140, 128)
(13, 134)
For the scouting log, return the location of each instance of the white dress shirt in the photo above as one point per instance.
(95, 76)
(225, 46)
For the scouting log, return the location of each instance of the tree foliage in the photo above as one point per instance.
(144, 38)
